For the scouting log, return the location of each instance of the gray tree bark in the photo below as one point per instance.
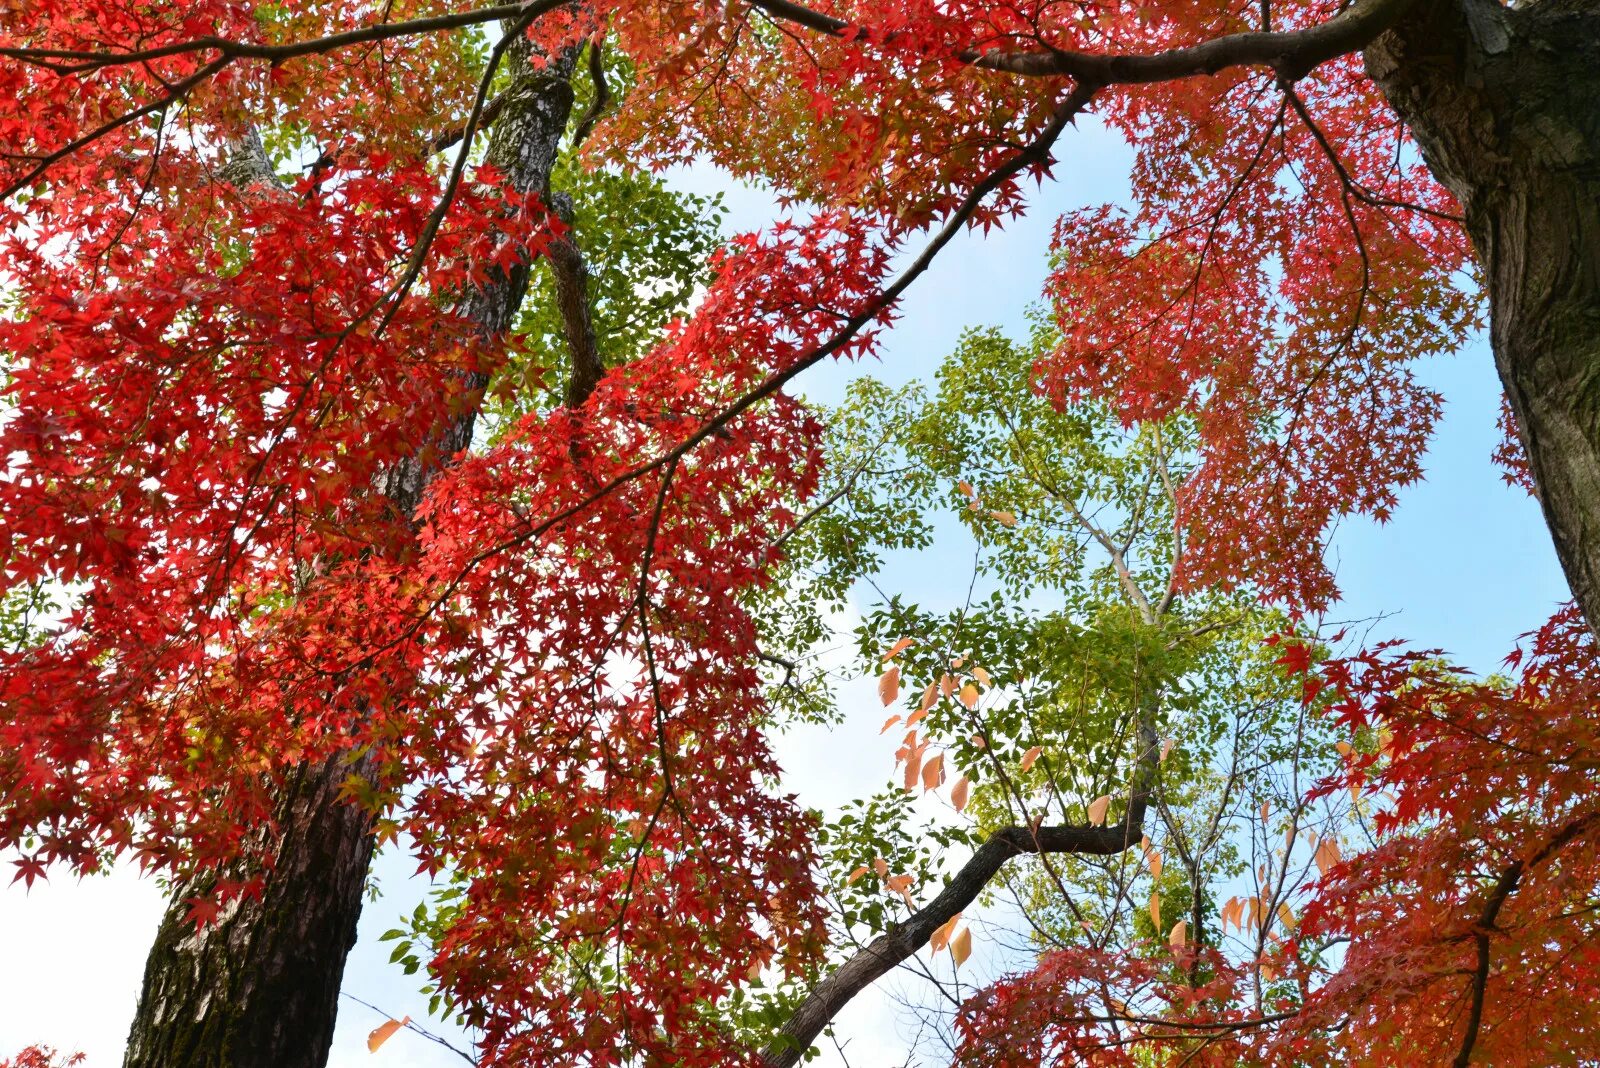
(1505, 104)
(260, 989)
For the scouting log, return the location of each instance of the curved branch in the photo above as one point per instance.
(899, 943)
(1291, 53)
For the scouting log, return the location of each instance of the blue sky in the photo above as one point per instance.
(1465, 565)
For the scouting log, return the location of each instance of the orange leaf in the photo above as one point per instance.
(916, 717)
(933, 772)
(969, 695)
(881, 866)
(1180, 935)
(890, 722)
(929, 696)
(889, 685)
(1006, 519)
(1098, 809)
(1166, 748)
(1154, 860)
(961, 946)
(383, 1032)
(1155, 910)
(898, 647)
(965, 488)
(978, 742)
(913, 767)
(947, 685)
(981, 675)
(941, 937)
(1344, 748)
(958, 793)
(1029, 757)
(858, 873)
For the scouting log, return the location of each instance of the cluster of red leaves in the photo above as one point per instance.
(202, 402)
(41, 1057)
(551, 658)
(1477, 905)
(887, 117)
(1276, 298)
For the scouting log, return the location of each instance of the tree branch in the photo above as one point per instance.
(1292, 53)
(902, 941)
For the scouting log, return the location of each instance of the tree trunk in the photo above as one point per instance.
(1505, 104)
(261, 987)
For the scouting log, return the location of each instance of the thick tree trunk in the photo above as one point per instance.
(1505, 103)
(261, 987)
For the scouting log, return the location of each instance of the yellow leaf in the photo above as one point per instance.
(958, 793)
(941, 937)
(858, 873)
(969, 695)
(890, 722)
(961, 946)
(1098, 809)
(1180, 935)
(383, 1032)
(897, 648)
(889, 685)
(1029, 757)
(1006, 519)
(933, 772)
(1155, 910)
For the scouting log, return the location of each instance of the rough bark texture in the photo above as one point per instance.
(260, 989)
(1505, 104)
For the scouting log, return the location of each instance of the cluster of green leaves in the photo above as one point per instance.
(1079, 623)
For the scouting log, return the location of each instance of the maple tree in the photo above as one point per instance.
(304, 609)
